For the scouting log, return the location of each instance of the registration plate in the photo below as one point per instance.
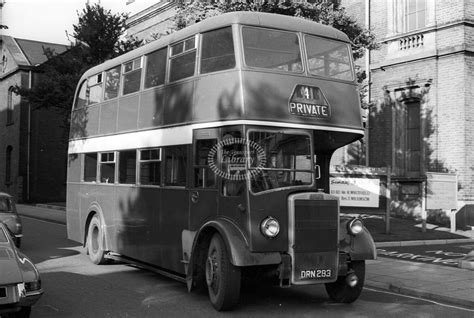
(316, 273)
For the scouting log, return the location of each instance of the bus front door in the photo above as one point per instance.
(203, 194)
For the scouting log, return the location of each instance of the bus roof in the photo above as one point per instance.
(276, 21)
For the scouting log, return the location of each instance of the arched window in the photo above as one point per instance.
(10, 106)
(8, 165)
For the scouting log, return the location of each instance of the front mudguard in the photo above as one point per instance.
(196, 243)
(358, 247)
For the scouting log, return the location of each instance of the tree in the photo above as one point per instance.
(98, 37)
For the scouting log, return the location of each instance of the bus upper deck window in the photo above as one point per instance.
(217, 51)
(329, 58)
(183, 59)
(272, 49)
(132, 73)
(112, 83)
(81, 99)
(94, 92)
(155, 68)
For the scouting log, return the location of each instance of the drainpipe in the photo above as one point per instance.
(28, 142)
(369, 79)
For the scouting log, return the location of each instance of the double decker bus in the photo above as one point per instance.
(205, 156)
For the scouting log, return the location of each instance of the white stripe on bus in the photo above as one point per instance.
(178, 135)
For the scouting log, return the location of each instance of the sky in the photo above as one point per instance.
(48, 20)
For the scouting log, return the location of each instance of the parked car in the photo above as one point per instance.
(10, 217)
(20, 283)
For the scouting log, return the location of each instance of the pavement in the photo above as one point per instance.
(449, 285)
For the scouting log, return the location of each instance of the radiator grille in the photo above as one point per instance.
(315, 226)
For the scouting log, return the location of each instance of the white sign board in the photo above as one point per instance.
(356, 192)
(441, 192)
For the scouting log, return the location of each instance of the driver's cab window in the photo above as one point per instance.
(233, 162)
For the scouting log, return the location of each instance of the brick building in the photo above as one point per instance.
(422, 88)
(32, 158)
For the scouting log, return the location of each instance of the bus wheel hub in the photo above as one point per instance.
(211, 267)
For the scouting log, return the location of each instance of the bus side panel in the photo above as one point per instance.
(178, 103)
(173, 220)
(127, 118)
(99, 198)
(136, 219)
(151, 108)
(72, 198)
(90, 121)
(108, 117)
(75, 229)
(218, 97)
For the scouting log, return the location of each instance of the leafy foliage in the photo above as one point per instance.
(98, 36)
(325, 12)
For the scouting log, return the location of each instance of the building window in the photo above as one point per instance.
(409, 15)
(8, 165)
(10, 106)
(415, 14)
(413, 138)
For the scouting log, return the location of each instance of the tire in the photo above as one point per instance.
(222, 278)
(95, 241)
(341, 292)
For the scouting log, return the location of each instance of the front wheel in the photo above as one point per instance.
(222, 278)
(340, 290)
(95, 241)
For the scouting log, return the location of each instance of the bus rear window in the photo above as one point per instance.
(329, 58)
(217, 51)
(272, 49)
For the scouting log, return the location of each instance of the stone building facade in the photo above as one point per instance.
(32, 158)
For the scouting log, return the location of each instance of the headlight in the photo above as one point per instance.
(355, 226)
(270, 227)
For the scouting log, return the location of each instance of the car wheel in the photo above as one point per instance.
(222, 278)
(95, 241)
(341, 292)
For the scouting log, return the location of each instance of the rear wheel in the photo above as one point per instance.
(222, 278)
(340, 291)
(95, 241)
